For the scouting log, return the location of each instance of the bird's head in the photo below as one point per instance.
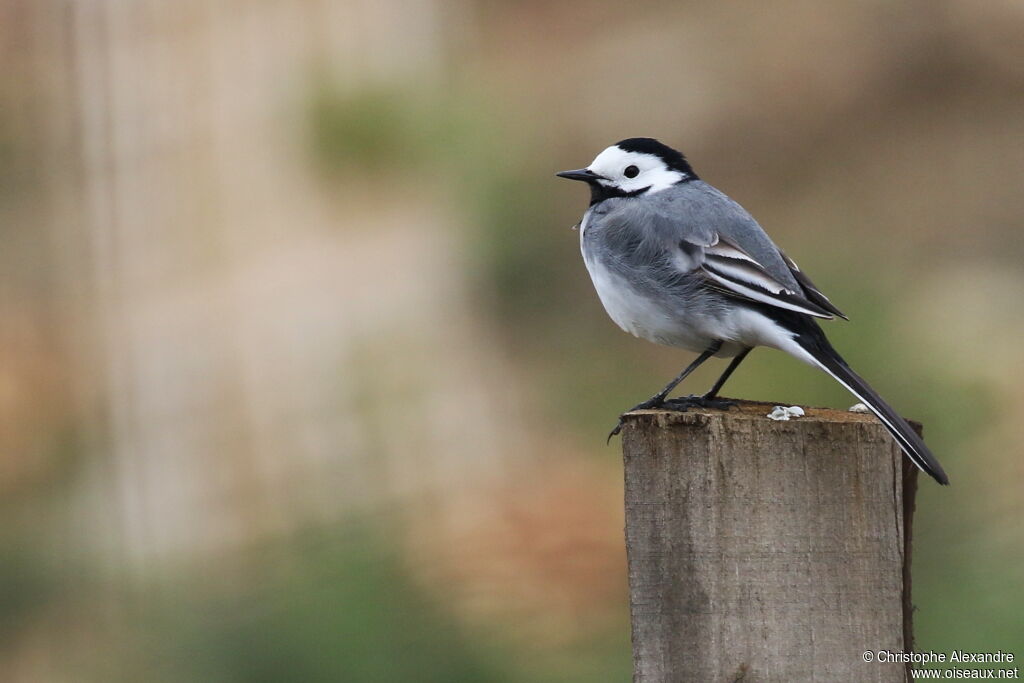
(633, 167)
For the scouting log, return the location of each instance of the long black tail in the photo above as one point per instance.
(810, 337)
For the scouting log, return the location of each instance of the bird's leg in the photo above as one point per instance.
(708, 400)
(713, 392)
(659, 399)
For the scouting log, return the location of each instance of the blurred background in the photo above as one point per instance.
(302, 376)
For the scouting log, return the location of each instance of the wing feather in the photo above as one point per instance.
(812, 292)
(738, 273)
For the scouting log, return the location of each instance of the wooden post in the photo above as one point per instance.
(766, 551)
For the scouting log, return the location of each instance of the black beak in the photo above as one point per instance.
(584, 174)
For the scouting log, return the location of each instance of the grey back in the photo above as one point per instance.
(692, 213)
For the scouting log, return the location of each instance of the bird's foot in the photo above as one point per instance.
(684, 403)
(679, 405)
(653, 402)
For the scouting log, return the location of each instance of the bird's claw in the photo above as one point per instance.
(654, 402)
(618, 428)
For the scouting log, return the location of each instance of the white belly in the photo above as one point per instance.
(639, 315)
(631, 311)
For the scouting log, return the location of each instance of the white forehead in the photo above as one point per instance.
(613, 160)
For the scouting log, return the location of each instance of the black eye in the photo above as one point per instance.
(631, 172)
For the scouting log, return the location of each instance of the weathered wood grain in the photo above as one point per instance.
(762, 550)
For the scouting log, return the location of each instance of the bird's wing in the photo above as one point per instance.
(715, 236)
(811, 291)
(733, 271)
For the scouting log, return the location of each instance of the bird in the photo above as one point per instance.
(677, 262)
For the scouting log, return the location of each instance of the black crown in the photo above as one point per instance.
(672, 158)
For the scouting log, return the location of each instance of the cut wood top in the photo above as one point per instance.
(756, 410)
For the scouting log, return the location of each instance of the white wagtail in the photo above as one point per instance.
(679, 263)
